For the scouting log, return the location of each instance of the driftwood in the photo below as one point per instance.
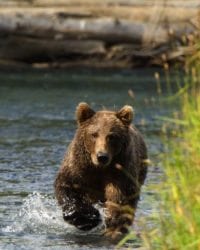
(97, 34)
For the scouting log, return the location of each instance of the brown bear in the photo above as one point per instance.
(106, 163)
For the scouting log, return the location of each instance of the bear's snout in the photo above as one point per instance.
(103, 158)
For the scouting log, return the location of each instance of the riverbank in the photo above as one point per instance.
(106, 34)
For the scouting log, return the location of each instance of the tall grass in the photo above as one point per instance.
(180, 215)
(178, 219)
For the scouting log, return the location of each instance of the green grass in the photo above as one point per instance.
(179, 220)
(177, 225)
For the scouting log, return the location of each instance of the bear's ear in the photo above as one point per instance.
(126, 114)
(83, 112)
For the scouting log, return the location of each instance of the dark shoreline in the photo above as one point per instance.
(104, 36)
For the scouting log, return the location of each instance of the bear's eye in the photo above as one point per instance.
(112, 137)
(94, 135)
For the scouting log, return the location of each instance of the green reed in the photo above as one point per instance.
(177, 224)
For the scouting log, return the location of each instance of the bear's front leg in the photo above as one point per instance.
(77, 209)
(120, 209)
(83, 216)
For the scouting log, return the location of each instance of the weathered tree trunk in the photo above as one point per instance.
(92, 31)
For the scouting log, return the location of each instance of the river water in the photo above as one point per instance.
(36, 125)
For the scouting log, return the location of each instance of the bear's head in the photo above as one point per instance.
(105, 133)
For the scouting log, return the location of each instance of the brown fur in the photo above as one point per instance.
(105, 162)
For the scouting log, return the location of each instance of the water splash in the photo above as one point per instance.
(41, 214)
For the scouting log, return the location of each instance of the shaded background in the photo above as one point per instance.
(91, 33)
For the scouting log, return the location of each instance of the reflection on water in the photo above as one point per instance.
(36, 125)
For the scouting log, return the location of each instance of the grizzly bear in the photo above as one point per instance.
(105, 163)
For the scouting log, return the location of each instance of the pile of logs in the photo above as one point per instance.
(109, 33)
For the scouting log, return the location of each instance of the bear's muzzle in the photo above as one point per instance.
(103, 158)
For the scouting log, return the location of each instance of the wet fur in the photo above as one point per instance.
(81, 182)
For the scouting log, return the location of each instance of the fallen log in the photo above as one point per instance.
(108, 30)
(31, 50)
(72, 33)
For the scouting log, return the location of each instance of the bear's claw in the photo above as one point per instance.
(83, 220)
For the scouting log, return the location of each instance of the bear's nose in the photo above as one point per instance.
(102, 157)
